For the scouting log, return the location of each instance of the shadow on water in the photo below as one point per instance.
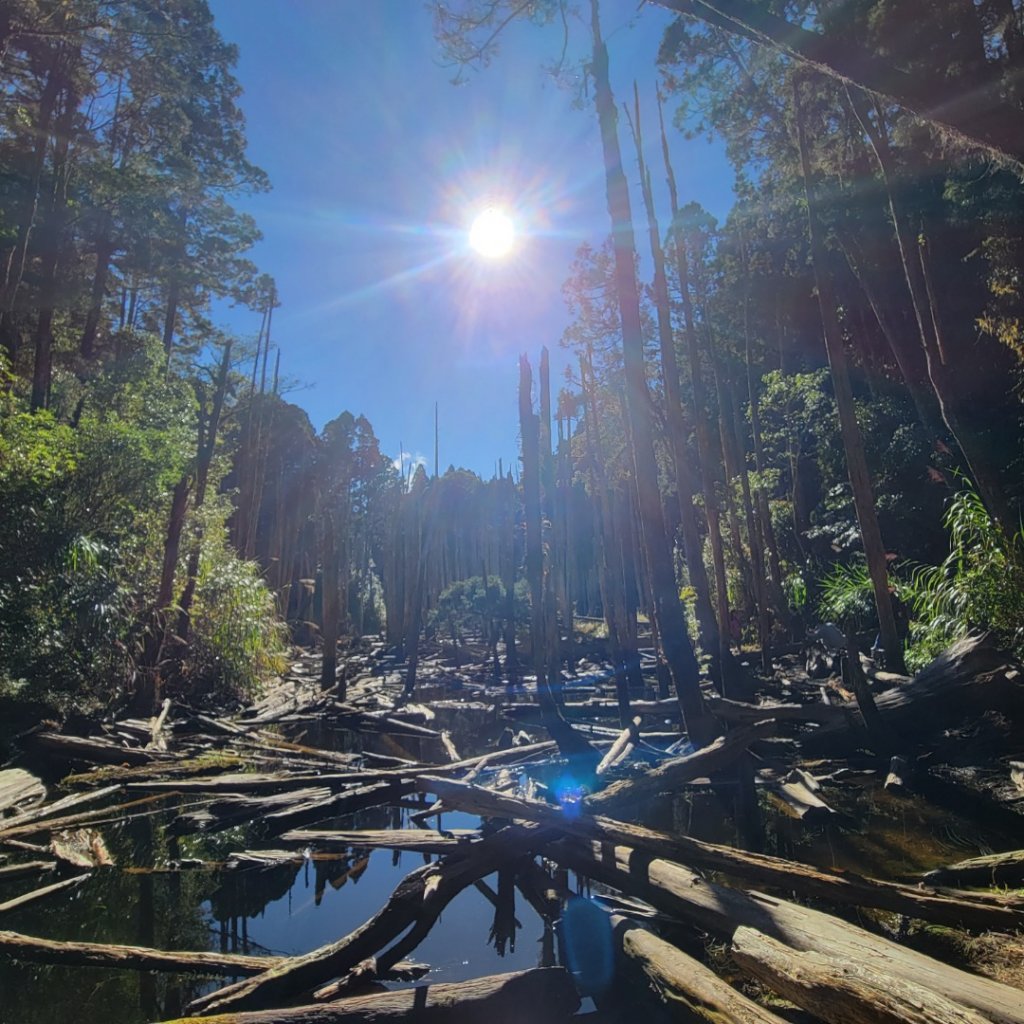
(292, 907)
(283, 909)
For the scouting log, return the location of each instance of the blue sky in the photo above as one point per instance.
(378, 164)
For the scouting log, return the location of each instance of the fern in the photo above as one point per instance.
(979, 585)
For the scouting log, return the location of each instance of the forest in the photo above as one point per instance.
(761, 558)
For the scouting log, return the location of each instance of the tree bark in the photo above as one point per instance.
(853, 442)
(671, 623)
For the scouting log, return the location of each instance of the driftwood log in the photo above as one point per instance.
(678, 891)
(971, 675)
(542, 995)
(839, 991)
(840, 887)
(19, 791)
(95, 954)
(683, 984)
(995, 869)
(38, 894)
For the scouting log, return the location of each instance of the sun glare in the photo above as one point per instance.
(492, 234)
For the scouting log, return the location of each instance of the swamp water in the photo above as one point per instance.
(153, 897)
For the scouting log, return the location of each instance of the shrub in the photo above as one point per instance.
(979, 585)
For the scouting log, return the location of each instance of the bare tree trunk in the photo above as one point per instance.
(853, 443)
(668, 610)
(915, 268)
(204, 459)
(569, 742)
(328, 598)
(147, 690)
(51, 237)
(710, 636)
(14, 265)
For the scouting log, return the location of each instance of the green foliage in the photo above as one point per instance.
(69, 501)
(847, 596)
(83, 515)
(979, 585)
(469, 605)
(237, 640)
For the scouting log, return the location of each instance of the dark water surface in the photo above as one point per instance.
(296, 907)
(282, 910)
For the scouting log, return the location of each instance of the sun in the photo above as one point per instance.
(492, 234)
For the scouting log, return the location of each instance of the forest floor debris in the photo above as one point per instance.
(295, 769)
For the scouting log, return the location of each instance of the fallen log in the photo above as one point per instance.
(621, 748)
(995, 869)
(706, 761)
(8, 872)
(971, 674)
(721, 910)
(38, 894)
(348, 802)
(139, 958)
(242, 783)
(418, 840)
(19, 791)
(547, 992)
(416, 902)
(840, 887)
(369, 975)
(682, 983)
(65, 803)
(91, 751)
(739, 713)
(236, 809)
(595, 708)
(841, 992)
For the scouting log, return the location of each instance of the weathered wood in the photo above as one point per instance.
(840, 887)
(719, 754)
(235, 809)
(243, 783)
(81, 848)
(841, 991)
(417, 840)
(971, 674)
(97, 954)
(156, 741)
(594, 708)
(416, 901)
(8, 872)
(66, 803)
(739, 713)
(19, 791)
(898, 778)
(721, 910)
(620, 749)
(92, 751)
(544, 994)
(995, 869)
(38, 894)
(796, 793)
(367, 975)
(682, 983)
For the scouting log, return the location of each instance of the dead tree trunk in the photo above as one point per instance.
(853, 442)
(671, 622)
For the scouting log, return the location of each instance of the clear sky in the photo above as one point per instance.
(378, 164)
